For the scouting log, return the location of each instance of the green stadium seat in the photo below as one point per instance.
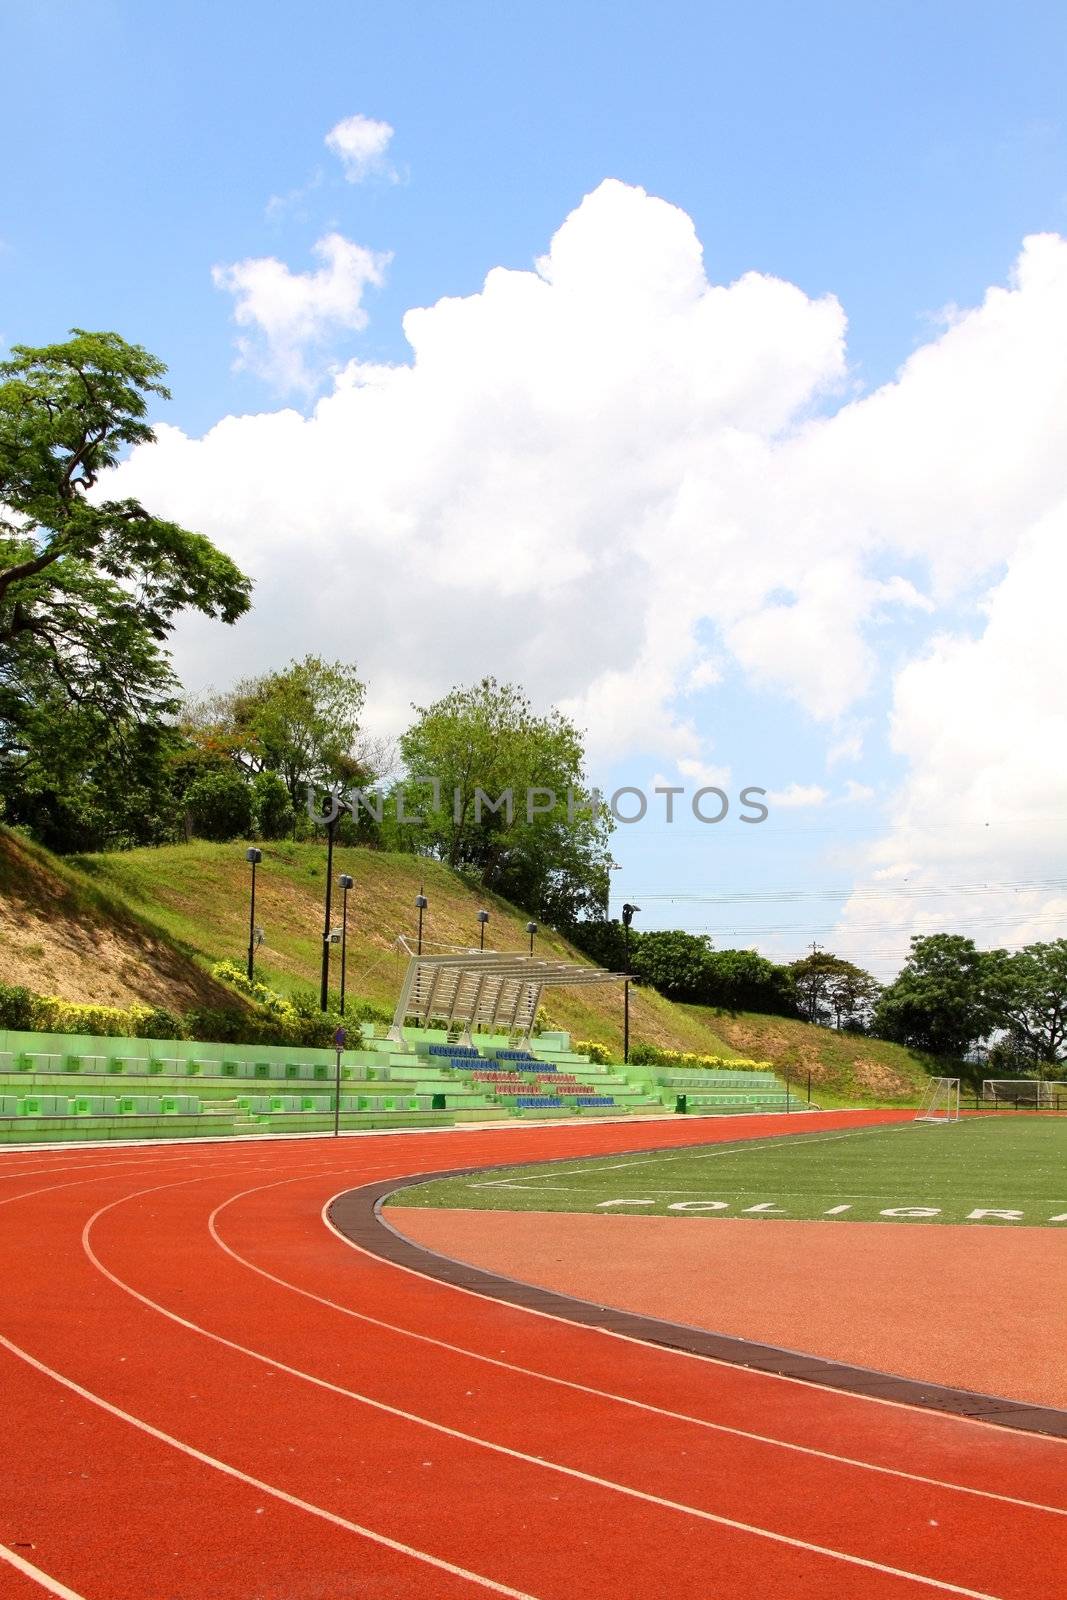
(44, 1105)
(44, 1062)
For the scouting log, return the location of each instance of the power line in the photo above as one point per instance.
(900, 891)
(846, 930)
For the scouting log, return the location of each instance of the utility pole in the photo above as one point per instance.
(324, 985)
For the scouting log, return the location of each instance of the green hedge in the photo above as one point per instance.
(265, 1018)
(654, 1055)
(598, 1053)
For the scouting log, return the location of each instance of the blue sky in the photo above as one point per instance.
(892, 156)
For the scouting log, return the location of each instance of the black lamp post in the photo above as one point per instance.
(531, 929)
(627, 918)
(421, 903)
(346, 884)
(324, 984)
(483, 918)
(255, 857)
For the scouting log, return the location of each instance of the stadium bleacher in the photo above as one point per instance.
(55, 1087)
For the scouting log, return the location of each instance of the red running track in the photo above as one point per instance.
(208, 1393)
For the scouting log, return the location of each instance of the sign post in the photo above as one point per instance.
(339, 1039)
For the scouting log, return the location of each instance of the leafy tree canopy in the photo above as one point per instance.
(89, 586)
(831, 989)
(301, 723)
(678, 964)
(487, 737)
(743, 980)
(942, 1000)
(1029, 996)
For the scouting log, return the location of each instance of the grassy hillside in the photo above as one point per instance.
(60, 935)
(147, 925)
(844, 1067)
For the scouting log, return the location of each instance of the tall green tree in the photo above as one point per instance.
(485, 742)
(89, 585)
(302, 724)
(830, 989)
(1029, 996)
(743, 980)
(853, 995)
(944, 998)
(678, 964)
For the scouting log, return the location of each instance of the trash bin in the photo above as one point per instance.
(681, 1105)
(438, 1103)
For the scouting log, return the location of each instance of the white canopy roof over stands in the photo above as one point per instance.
(488, 988)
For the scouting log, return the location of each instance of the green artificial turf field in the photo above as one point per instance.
(1013, 1166)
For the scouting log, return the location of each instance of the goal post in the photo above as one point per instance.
(1016, 1092)
(940, 1101)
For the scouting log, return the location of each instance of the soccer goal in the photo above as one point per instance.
(1016, 1092)
(940, 1102)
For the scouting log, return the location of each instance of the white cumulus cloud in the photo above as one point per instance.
(797, 795)
(615, 479)
(291, 313)
(977, 826)
(360, 143)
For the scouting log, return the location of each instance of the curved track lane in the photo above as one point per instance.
(208, 1392)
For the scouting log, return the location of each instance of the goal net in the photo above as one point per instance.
(1019, 1091)
(940, 1101)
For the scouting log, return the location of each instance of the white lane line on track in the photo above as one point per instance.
(28, 1570)
(266, 1488)
(944, 1418)
(74, 1183)
(602, 1394)
(642, 1495)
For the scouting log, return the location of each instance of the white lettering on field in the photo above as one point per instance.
(911, 1211)
(699, 1205)
(603, 1204)
(766, 1205)
(1005, 1216)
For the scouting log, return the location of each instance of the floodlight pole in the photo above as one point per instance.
(421, 903)
(346, 884)
(253, 856)
(324, 985)
(627, 917)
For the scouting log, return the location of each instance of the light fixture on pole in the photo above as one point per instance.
(346, 884)
(253, 856)
(613, 866)
(421, 903)
(627, 917)
(531, 929)
(483, 918)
